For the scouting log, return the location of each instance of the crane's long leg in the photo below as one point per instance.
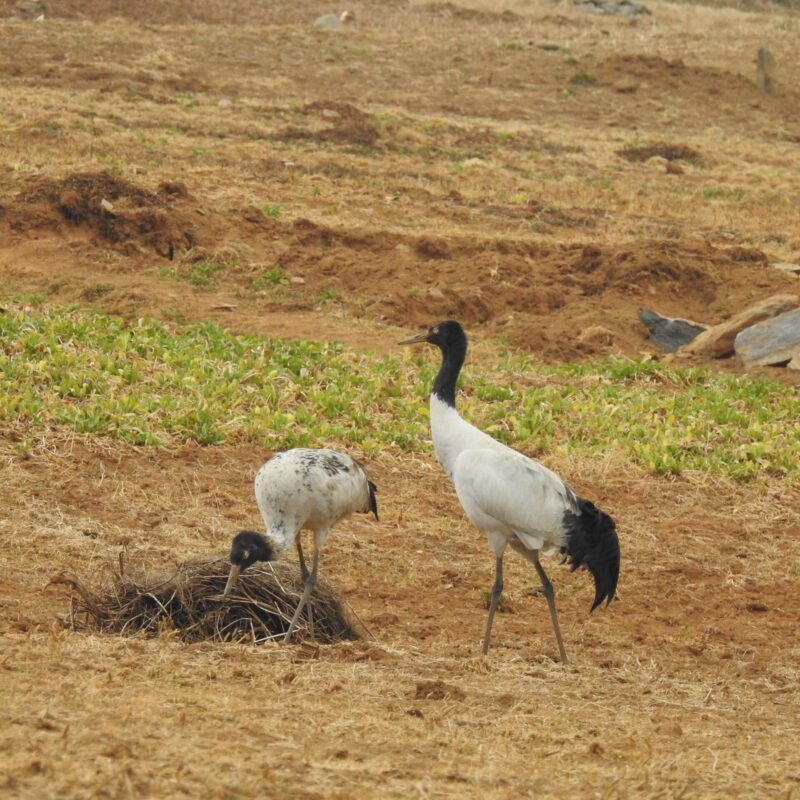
(496, 591)
(304, 576)
(551, 603)
(533, 557)
(309, 585)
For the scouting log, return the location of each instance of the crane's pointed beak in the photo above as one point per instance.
(418, 338)
(232, 576)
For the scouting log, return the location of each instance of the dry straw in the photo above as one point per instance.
(188, 600)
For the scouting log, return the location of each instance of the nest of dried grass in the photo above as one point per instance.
(188, 600)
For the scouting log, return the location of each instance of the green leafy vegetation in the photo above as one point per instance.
(274, 276)
(148, 384)
(583, 79)
(273, 210)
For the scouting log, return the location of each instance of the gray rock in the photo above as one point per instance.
(328, 21)
(769, 343)
(718, 341)
(670, 333)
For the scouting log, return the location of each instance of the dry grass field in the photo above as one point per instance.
(539, 173)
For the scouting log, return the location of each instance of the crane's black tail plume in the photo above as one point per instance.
(592, 543)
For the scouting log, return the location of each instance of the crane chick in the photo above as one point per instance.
(513, 499)
(295, 490)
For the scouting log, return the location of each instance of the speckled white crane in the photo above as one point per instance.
(295, 490)
(513, 499)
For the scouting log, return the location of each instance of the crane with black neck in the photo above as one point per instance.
(516, 501)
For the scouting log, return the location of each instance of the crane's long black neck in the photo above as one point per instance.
(444, 387)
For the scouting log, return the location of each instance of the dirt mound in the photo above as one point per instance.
(551, 298)
(659, 75)
(105, 208)
(672, 152)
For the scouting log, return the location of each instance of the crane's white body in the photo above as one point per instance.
(510, 497)
(309, 489)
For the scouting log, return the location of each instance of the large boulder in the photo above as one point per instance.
(718, 341)
(774, 341)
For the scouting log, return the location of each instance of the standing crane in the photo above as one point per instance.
(297, 489)
(513, 499)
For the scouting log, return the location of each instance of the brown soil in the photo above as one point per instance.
(427, 160)
(105, 210)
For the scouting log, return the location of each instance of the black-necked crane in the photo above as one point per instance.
(295, 490)
(513, 499)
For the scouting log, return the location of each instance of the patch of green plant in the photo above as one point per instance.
(718, 193)
(273, 210)
(583, 79)
(151, 384)
(269, 278)
(204, 273)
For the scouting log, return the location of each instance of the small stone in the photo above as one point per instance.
(225, 102)
(771, 342)
(436, 293)
(787, 266)
(296, 279)
(106, 205)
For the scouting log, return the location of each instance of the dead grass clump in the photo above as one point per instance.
(671, 152)
(188, 600)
